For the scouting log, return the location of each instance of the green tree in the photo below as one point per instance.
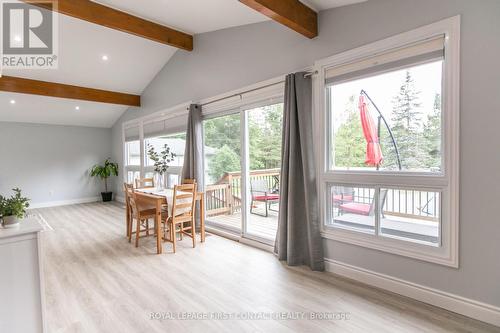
(225, 160)
(223, 131)
(350, 144)
(265, 137)
(406, 127)
(432, 136)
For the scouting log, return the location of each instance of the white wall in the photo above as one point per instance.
(229, 59)
(50, 163)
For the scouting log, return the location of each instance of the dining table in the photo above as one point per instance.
(159, 198)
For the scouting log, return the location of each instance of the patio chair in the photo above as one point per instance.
(341, 195)
(261, 192)
(363, 208)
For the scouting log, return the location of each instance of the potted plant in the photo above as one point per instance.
(13, 209)
(104, 172)
(161, 161)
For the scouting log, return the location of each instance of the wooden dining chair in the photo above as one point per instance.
(141, 214)
(183, 212)
(189, 181)
(126, 188)
(144, 183)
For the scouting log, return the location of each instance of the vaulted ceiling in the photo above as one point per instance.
(132, 61)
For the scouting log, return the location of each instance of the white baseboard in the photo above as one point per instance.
(464, 306)
(64, 202)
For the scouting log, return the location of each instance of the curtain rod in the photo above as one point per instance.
(242, 92)
(307, 74)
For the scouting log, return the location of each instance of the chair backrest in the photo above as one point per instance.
(383, 195)
(182, 209)
(145, 183)
(126, 188)
(343, 190)
(259, 185)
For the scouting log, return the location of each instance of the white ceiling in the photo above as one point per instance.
(191, 16)
(133, 61)
(198, 16)
(319, 5)
(57, 111)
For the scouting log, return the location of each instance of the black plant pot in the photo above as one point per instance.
(107, 196)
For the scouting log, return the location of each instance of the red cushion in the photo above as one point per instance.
(266, 197)
(344, 197)
(356, 208)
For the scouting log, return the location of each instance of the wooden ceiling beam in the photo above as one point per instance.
(51, 89)
(102, 15)
(291, 13)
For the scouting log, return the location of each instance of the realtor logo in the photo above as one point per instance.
(29, 32)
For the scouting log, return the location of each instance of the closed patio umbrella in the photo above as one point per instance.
(373, 151)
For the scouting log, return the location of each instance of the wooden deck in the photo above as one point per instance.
(260, 226)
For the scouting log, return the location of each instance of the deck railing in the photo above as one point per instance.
(415, 204)
(224, 197)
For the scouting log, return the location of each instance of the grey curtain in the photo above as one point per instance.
(298, 240)
(193, 155)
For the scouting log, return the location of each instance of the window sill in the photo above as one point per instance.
(436, 255)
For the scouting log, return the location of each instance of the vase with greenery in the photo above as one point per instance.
(13, 209)
(161, 162)
(104, 172)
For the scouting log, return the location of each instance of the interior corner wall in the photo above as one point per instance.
(229, 59)
(50, 163)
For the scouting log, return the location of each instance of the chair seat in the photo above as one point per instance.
(356, 208)
(342, 198)
(266, 197)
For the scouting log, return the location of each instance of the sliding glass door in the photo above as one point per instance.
(264, 128)
(222, 139)
(242, 171)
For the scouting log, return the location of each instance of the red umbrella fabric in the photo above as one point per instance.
(373, 151)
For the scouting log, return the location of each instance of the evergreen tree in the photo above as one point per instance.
(432, 136)
(406, 127)
(350, 144)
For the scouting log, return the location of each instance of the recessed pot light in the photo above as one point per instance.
(12, 101)
(105, 58)
(77, 108)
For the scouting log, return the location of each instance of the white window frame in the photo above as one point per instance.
(259, 95)
(446, 182)
(170, 113)
(126, 167)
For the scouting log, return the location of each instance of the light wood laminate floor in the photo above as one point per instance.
(97, 282)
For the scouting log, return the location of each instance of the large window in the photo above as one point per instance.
(155, 131)
(390, 118)
(132, 154)
(176, 142)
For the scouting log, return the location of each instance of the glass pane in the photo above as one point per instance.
(176, 142)
(223, 171)
(173, 179)
(389, 121)
(133, 151)
(352, 207)
(132, 176)
(264, 135)
(410, 214)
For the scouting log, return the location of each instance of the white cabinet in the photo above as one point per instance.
(21, 287)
